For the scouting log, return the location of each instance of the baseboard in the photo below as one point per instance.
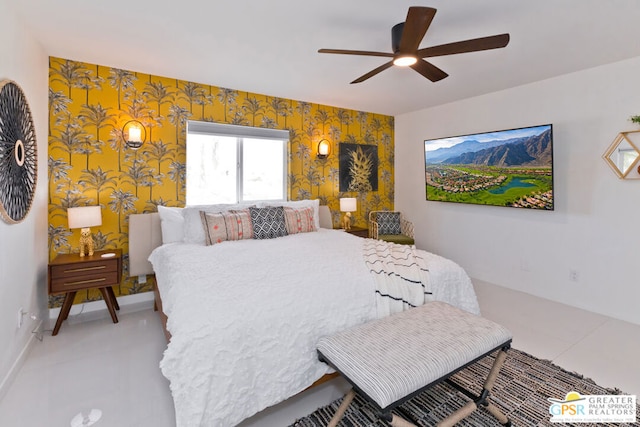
(15, 368)
(128, 304)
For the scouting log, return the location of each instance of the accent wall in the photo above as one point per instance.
(88, 163)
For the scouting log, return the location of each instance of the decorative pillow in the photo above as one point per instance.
(299, 220)
(193, 229)
(171, 224)
(215, 228)
(296, 204)
(388, 222)
(230, 225)
(268, 223)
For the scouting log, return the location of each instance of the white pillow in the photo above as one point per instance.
(315, 204)
(171, 223)
(193, 228)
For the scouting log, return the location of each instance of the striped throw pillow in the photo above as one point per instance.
(223, 226)
(299, 220)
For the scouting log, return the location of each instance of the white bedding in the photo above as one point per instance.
(245, 316)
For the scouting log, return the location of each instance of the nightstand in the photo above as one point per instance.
(358, 231)
(70, 273)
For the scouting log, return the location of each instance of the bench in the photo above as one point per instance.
(390, 360)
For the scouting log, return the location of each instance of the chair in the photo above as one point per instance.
(390, 227)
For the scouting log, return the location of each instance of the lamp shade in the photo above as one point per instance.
(324, 149)
(134, 134)
(84, 217)
(348, 204)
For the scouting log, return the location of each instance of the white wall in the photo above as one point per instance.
(595, 228)
(23, 246)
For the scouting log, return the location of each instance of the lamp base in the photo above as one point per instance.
(86, 242)
(346, 221)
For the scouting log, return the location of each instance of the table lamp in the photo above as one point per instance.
(85, 217)
(348, 205)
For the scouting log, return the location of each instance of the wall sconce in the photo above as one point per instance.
(85, 217)
(348, 205)
(134, 134)
(324, 149)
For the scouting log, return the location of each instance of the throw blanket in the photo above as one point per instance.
(401, 276)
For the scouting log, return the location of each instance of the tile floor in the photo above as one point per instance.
(93, 363)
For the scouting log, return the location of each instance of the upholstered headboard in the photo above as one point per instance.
(145, 235)
(325, 217)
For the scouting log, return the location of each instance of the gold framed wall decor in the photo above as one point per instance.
(623, 155)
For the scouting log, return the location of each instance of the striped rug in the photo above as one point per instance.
(521, 392)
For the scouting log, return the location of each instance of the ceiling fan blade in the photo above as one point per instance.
(473, 45)
(415, 27)
(373, 72)
(356, 52)
(429, 70)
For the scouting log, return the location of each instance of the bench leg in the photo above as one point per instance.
(483, 399)
(488, 385)
(396, 421)
(342, 409)
(495, 369)
(502, 418)
(460, 414)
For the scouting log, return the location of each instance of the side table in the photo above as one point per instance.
(70, 273)
(359, 231)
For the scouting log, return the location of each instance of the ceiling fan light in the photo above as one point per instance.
(405, 61)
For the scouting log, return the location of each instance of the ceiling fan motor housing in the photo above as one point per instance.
(396, 36)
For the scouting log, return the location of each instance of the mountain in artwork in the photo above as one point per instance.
(471, 146)
(526, 151)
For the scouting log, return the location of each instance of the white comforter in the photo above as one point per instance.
(245, 316)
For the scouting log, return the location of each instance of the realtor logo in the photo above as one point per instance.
(575, 408)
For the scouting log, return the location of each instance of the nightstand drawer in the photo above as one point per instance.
(100, 267)
(74, 283)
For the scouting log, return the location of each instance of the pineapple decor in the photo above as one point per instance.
(358, 167)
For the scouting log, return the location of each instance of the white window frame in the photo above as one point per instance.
(241, 132)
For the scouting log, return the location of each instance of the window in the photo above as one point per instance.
(231, 164)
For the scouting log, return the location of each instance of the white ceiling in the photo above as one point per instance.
(270, 47)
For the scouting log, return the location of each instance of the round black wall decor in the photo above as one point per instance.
(18, 154)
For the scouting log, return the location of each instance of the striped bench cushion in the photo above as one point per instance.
(393, 357)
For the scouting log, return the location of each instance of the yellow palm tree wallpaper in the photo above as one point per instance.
(89, 164)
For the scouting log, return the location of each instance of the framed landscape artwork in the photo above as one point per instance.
(505, 168)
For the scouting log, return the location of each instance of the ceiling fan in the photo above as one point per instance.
(405, 40)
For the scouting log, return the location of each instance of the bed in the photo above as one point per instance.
(244, 316)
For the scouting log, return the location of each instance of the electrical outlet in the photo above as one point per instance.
(142, 279)
(574, 275)
(20, 314)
